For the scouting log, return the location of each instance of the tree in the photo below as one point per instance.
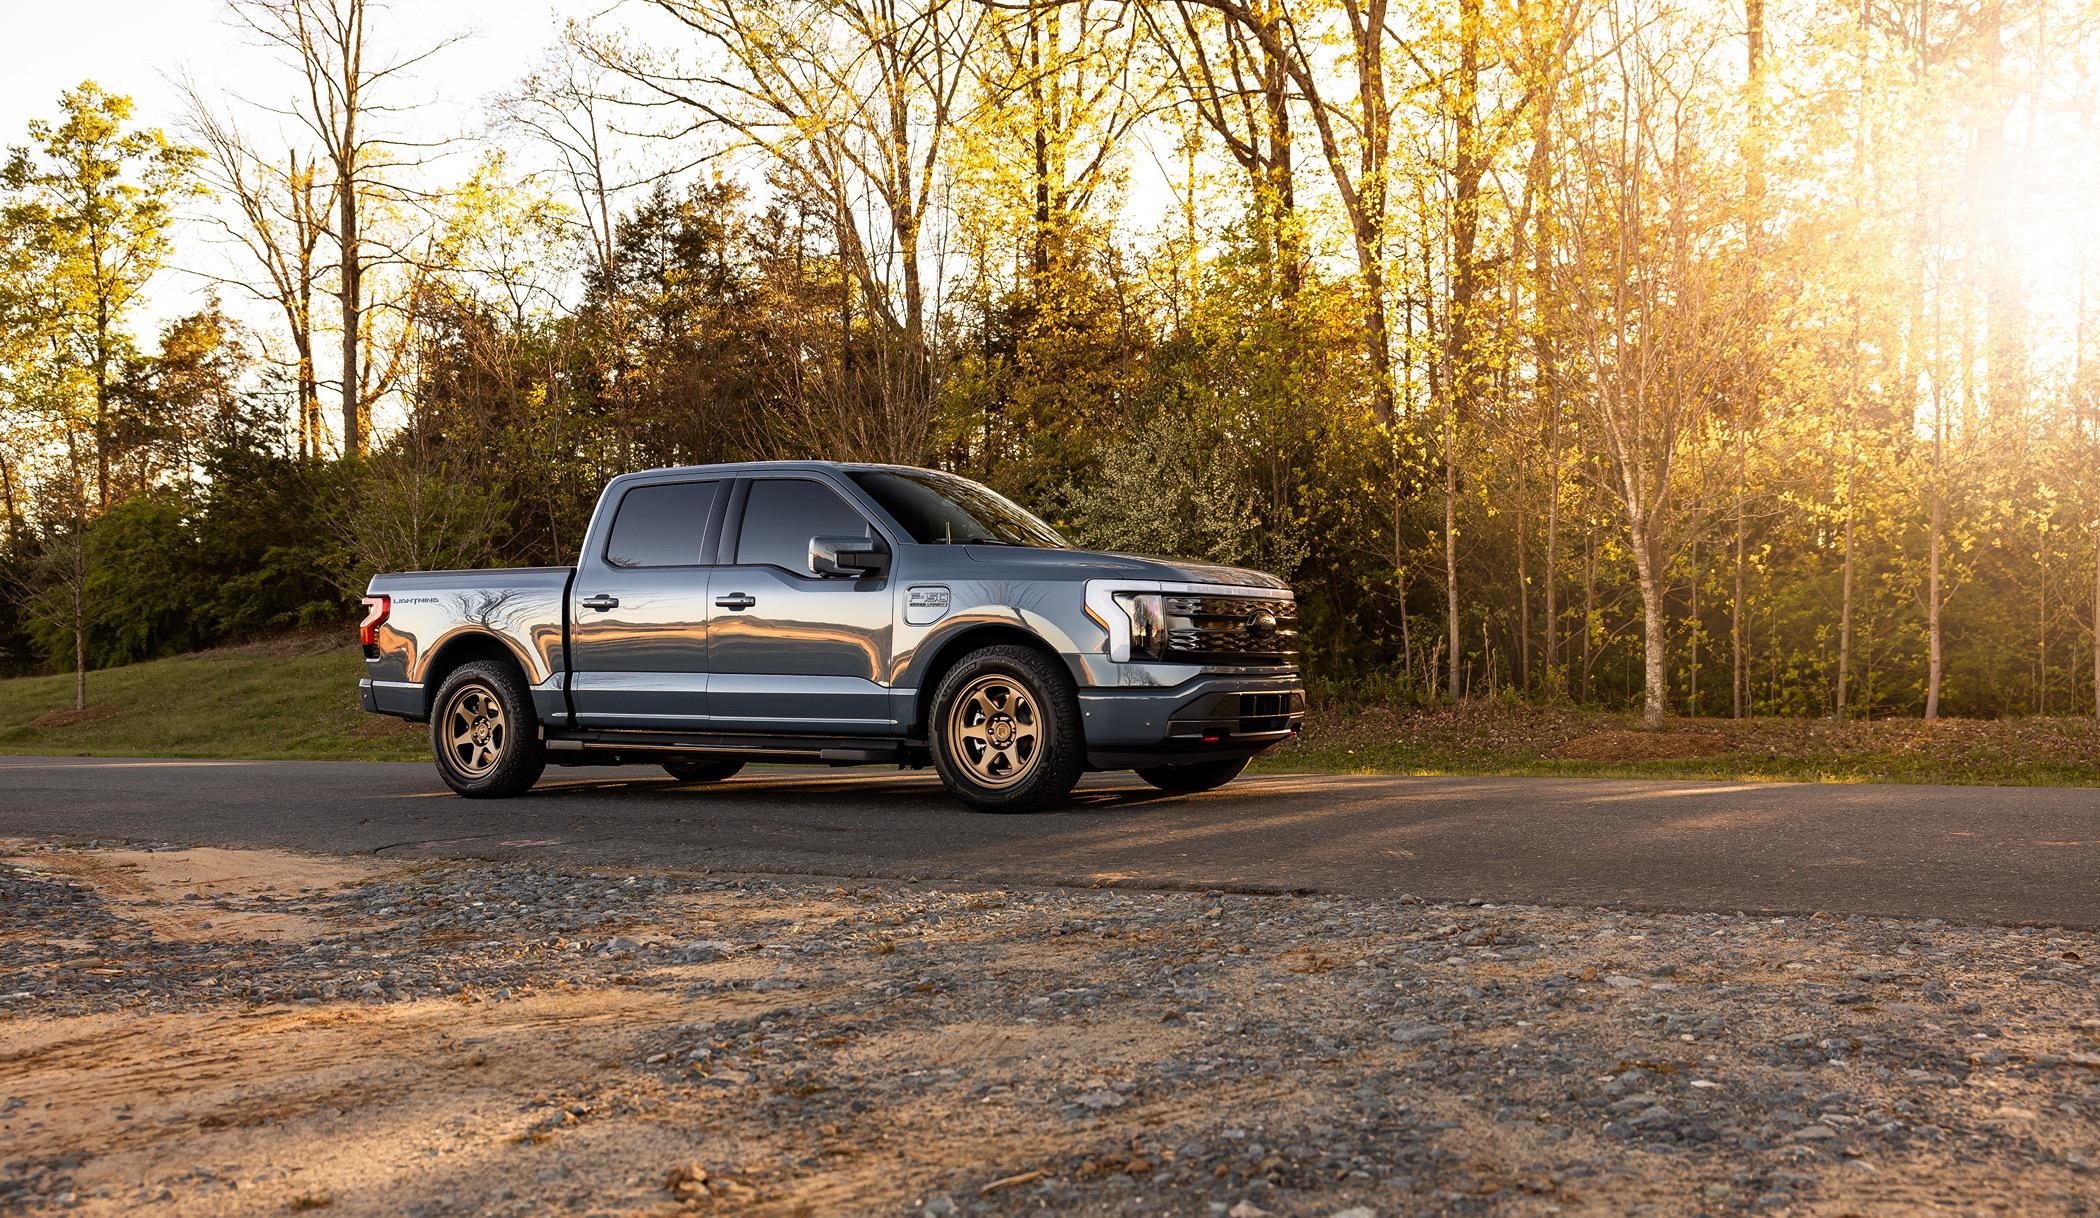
(343, 104)
(563, 105)
(1644, 285)
(284, 207)
(94, 201)
(852, 104)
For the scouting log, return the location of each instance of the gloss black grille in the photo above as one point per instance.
(1232, 629)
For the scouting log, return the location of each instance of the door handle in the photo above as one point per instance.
(600, 602)
(736, 600)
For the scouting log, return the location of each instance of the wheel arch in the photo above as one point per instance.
(956, 644)
(462, 649)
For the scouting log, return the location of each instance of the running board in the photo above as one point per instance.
(833, 750)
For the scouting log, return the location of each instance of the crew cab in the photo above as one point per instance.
(837, 614)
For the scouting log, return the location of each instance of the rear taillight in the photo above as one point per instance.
(376, 609)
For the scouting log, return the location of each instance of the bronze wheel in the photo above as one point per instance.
(483, 733)
(475, 730)
(1006, 733)
(997, 730)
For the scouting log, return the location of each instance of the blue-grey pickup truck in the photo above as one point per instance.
(837, 615)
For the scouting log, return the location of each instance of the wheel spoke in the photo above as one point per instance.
(994, 730)
(475, 731)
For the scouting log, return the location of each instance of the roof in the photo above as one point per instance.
(752, 467)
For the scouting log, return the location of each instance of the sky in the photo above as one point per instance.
(136, 46)
(143, 47)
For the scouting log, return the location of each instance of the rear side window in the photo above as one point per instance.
(661, 525)
(782, 514)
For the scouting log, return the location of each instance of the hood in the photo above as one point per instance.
(1095, 564)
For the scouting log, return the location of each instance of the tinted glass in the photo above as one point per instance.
(661, 525)
(937, 509)
(781, 516)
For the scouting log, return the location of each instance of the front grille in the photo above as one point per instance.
(1234, 629)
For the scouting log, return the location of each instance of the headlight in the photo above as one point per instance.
(1148, 623)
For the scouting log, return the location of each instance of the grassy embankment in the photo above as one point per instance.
(297, 698)
(288, 698)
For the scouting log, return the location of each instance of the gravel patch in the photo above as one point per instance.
(484, 1039)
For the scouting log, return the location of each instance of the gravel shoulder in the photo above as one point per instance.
(191, 1031)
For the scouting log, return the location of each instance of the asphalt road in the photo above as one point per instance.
(2005, 854)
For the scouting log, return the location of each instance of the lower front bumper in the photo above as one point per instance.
(1207, 718)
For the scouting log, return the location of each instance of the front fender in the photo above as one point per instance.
(1050, 613)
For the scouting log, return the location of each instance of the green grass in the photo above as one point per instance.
(285, 699)
(297, 698)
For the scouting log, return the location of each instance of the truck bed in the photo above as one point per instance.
(524, 607)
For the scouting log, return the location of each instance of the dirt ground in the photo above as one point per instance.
(193, 1032)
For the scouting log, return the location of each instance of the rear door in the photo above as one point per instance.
(638, 611)
(790, 651)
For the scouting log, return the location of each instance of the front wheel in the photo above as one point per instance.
(1006, 731)
(484, 734)
(711, 769)
(1191, 777)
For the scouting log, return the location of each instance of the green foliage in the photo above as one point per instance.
(243, 555)
(1169, 487)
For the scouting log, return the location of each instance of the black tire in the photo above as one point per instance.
(479, 754)
(1191, 777)
(704, 769)
(1040, 738)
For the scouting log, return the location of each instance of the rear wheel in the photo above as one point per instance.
(483, 733)
(1193, 776)
(709, 769)
(1006, 732)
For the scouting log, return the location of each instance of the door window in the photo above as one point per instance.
(782, 514)
(661, 525)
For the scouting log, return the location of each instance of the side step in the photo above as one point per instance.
(832, 750)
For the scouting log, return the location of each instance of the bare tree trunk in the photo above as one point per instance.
(1468, 167)
(1691, 693)
(1936, 523)
(1451, 538)
(1523, 582)
(1552, 572)
(1746, 402)
(1548, 391)
(1932, 588)
(352, 298)
(79, 646)
(2041, 627)
(102, 360)
(1844, 684)
(1655, 639)
(1589, 605)
(2096, 621)
(78, 579)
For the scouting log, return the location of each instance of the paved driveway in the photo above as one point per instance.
(1966, 853)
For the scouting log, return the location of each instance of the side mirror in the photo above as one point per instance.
(847, 557)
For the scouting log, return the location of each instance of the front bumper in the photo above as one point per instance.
(1208, 718)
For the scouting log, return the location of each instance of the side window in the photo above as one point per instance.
(661, 525)
(782, 514)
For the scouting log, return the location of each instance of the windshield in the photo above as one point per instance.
(938, 509)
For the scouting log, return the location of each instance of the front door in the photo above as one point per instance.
(790, 651)
(638, 610)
